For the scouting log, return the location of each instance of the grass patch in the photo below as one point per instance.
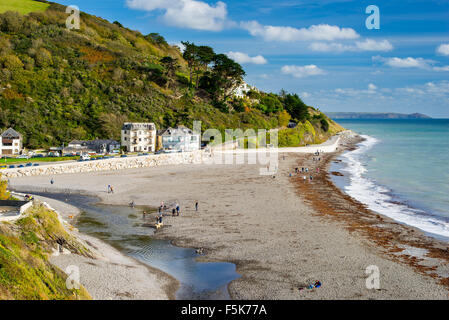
(8, 161)
(25, 271)
(22, 6)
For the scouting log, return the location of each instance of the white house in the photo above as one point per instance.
(10, 143)
(180, 139)
(243, 89)
(139, 137)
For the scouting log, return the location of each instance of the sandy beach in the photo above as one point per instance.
(282, 233)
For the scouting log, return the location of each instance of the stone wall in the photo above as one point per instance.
(105, 164)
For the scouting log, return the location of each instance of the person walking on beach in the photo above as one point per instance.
(173, 212)
(112, 189)
(52, 181)
(305, 178)
(109, 188)
(196, 205)
(177, 209)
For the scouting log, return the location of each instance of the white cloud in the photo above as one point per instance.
(372, 87)
(405, 62)
(373, 45)
(243, 58)
(366, 45)
(302, 71)
(330, 47)
(445, 68)
(357, 92)
(322, 32)
(191, 14)
(443, 49)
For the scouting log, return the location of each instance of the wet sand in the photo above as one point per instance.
(281, 233)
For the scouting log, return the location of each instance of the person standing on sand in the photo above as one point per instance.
(177, 209)
(112, 189)
(196, 205)
(109, 188)
(305, 178)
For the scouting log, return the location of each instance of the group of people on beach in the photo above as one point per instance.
(176, 210)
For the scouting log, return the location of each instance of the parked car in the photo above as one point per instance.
(12, 166)
(123, 156)
(29, 164)
(84, 157)
(36, 165)
(39, 155)
(21, 166)
(23, 156)
(3, 167)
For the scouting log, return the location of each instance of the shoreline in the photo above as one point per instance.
(393, 236)
(269, 228)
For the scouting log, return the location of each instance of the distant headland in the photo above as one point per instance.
(375, 115)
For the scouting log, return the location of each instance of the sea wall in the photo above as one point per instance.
(105, 164)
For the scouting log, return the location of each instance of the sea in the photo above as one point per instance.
(401, 171)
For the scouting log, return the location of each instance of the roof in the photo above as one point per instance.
(97, 142)
(137, 126)
(180, 130)
(11, 134)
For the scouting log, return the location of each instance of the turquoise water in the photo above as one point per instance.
(402, 171)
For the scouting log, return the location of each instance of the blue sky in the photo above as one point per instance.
(321, 50)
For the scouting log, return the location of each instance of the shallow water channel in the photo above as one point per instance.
(125, 228)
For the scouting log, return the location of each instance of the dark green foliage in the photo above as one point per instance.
(156, 38)
(270, 104)
(118, 24)
(296, 107)
(324, 125)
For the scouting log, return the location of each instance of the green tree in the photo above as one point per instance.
(228, 75)
(296, 107)
(190, 55)
(171, 65)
